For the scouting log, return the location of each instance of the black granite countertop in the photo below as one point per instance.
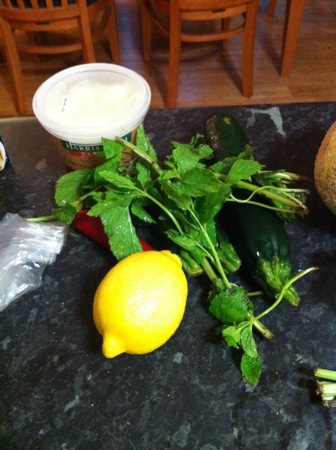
(57, 391)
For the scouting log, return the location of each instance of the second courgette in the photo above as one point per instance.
(262, 244)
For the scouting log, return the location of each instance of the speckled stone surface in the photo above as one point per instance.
(57, 392)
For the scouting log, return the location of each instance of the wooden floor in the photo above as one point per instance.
(207, 77)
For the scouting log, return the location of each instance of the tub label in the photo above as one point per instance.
(83, 148)
(89, 148)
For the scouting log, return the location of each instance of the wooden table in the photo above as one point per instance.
(293, 19)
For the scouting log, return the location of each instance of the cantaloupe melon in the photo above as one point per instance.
(325, 169)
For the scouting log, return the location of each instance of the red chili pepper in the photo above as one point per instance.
(93, 228)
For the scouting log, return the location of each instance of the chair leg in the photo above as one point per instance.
(32, 40)
(146, 28)
(86, 37)
(248, 48)
(112, 29)
(294, 14)
(174, 60)
(271, 7)
(225, 26)
(14, 65)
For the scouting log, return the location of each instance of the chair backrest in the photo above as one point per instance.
(165, 6)
(56, 20)
(195, 10)
(205, 10)
(205, 5)
(42, 13)
(216, 12)
(208, 11)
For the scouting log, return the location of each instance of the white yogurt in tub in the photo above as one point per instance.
(81, 105)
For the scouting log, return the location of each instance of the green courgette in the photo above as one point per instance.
(226, 137)
(262, 244)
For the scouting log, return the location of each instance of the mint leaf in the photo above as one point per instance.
(118, 226)
(248, 343)
(170, 174)
(66, 213)
(111, 165)
(143, 142)
(173, 193)
(187, 156)
(139, 211)
(231, 335)
(70, 187)
(208, 206)
(144, 175)
(200, 181)
(242, 169)
(211, 231)
(189, 243)
(120, 182)
(228, 256)
(250, 368)
(224, 166)
(112, 148)
(230, 306)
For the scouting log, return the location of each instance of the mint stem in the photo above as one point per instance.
(289, 201)
(143, 155)
(213, 250)
(218, 283)
(265, 332)
(286, 201)
(165, 210)
(326, 389)
(41, 219)
(283, 291)
(290, 176)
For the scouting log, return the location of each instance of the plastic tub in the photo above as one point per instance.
(81, 105)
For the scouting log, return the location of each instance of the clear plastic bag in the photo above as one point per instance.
(26, 248)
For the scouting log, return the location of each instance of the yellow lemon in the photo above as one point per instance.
(140, 303)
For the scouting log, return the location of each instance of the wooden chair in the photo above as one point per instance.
(292, 25)
(168, 17)
(24, 24)
(271, 7)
